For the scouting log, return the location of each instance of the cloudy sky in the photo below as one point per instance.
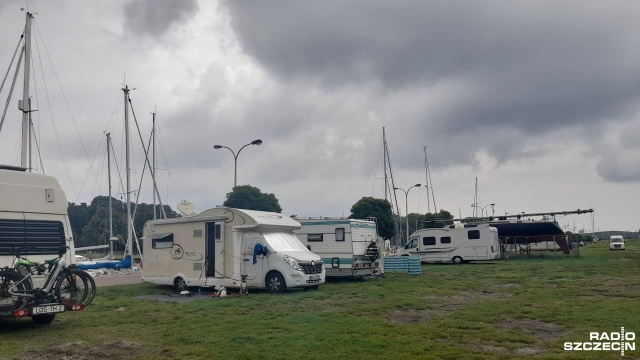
(538, 100)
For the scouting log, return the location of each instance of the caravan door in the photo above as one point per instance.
(253, 270)
(214, 249)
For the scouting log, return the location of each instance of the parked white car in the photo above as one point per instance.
(616, 242)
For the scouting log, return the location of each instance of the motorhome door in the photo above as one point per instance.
(214, 249)
(251, 241)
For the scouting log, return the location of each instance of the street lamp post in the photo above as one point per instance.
(406, 204)
(235, 157)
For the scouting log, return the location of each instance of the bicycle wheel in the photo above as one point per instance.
(75, 287)
(91, 286)
(70, 289)
(12, 283)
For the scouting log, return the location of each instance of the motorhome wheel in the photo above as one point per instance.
(457, 260)
(180, 284)
(43, 319)
(275, 283)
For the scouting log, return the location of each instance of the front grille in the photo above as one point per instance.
(308, 268)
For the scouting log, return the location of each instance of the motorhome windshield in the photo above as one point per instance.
(617, 240)
(279, 241)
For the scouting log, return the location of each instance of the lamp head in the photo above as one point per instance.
(417, 185)
(256, 142)
(217, 147)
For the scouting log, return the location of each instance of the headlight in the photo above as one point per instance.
(293, 262)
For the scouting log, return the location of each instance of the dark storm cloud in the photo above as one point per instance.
(155, 17)
(506, 72)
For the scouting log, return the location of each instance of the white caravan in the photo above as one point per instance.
(454, 243)
(33, 216)
(616, 242)
(348, 247)
(221, 245)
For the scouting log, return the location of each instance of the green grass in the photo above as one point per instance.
(525, 307)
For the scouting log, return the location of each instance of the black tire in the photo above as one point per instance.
(75, 287)
(43, 319)
(91, 286)
(70, 289)
(12, 281)
(457, 260)
(179, 284)
(275, 283)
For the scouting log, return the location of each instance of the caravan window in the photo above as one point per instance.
(31, 237)
(429, 240)
(445, 240)
(314, 237)
(339, 234)
(162, 241)
(474, 234)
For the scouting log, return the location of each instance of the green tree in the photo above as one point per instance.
(251, 198)
(378, 208)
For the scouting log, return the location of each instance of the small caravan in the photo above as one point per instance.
(220, 246)
(348, 247)
(33, 216)
(616, 242)
(456, 243)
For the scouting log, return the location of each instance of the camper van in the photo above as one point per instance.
(348, 247)
(616, 242)
(33, 216)
(457, 243)
(221, 246)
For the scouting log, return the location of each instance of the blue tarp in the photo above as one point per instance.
(107, 264)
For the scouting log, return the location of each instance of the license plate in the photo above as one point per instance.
(314, 277)
(47, 309)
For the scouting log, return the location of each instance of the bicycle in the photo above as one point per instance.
(72, 288)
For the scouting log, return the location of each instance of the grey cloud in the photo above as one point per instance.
(156, 17)
(515, 71)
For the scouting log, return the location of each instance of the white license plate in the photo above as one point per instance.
(314, 277)
(47, 309)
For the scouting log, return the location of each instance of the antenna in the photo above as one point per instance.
(186, 208)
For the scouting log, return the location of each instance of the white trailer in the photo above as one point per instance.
(220, 245)
(33, 217)
(454, 243)
(348, 247)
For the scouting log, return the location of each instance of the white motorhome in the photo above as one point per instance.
(220, 245)
(33, 216)
(456, 243)
(348, 247)
(616, 242)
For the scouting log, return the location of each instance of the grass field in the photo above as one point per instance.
(527, 307)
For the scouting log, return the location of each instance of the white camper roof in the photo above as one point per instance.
(254, 218)
(22, 191)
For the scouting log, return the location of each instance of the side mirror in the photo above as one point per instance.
(62, 250)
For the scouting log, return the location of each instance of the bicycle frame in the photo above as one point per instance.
(50, 281)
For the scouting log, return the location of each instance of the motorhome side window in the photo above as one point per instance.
(218, 231)
(429, 240)
(445, 240)
(31, 236)
(314, 237)
(162, 241)
(412, 244)
(339, 234)
(474, 234)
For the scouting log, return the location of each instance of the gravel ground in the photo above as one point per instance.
(118, 279)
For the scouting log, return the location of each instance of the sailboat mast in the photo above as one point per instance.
(153, 168)
(384, 162)
(426, 178)
(127, 169)
(109, 179)
(25, 93)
